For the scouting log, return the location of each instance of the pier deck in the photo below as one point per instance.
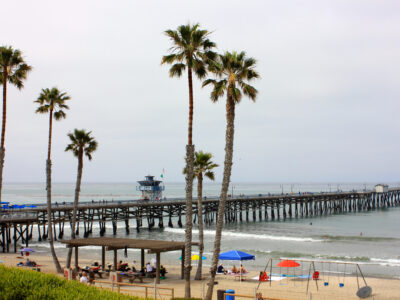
(262, 207)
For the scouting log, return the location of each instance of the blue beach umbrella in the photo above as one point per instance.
(236, 255)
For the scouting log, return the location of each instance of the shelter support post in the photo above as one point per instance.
(115, 260)
(15, 238)
(103, 258)
(141, 258)
(183, 263)
(76, 257)
(158, 258)
(27, 236)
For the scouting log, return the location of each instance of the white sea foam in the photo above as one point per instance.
(247, 235)
(387, 262)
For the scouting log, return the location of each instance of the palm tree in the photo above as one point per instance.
(232, 70)
(82, 143)
(51, 102)
(13, 70)
(203, 167)
(191, 50)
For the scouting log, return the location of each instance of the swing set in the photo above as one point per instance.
(326, 270)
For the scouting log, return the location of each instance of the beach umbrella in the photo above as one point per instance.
(236, 255)
(27, 250)
(288, 264)
(197, 257)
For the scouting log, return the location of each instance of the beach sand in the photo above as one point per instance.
(285, 289)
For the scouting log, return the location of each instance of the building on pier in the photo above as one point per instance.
(381, 188)
(151, 189)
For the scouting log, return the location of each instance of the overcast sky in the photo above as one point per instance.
(327, 108)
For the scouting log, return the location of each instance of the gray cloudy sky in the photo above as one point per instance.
(328, 99)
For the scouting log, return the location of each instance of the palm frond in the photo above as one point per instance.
(177, 70)
(53, 99)
(203, 164)
(218, 90)
(249, 90)
(190, 44)
(58, 115)
(82, 142)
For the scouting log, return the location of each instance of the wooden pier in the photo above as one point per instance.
(17, 225)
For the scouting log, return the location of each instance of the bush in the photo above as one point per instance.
(26, 284)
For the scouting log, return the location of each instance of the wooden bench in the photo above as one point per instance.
(133, 277)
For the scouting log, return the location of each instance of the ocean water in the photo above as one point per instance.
(335, 237)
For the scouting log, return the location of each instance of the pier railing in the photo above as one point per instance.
(146, 213)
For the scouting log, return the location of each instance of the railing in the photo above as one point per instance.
(250, 297)
(148, 289)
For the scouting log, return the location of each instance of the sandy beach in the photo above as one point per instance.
(284, 289)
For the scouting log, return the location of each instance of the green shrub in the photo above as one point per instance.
(26, 284)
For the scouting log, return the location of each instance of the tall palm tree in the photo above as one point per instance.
(191, 50)
(203, 167)
(82, 143)
(232, 70)
(51, 101)
(13, 70)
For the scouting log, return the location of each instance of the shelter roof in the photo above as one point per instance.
(121, 243)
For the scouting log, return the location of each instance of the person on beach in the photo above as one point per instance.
(163, 271)
(242, 269)
(263, 276)
(221, 269)
(91, 277)
(234, 270)
(149, 268)
(84, 278)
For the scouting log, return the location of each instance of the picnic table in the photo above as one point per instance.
(132, 276)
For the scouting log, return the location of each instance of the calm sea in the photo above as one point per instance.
(335, 237)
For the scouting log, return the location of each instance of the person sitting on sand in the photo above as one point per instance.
(221, 269)
(242, 269)
(84, 278)
(263, 276)
(30, 263)
(234, 270)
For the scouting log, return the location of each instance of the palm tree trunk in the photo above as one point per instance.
(200, 217)
(49, 222)
(190, 127)
(189, 191)
(48, 189)
(230, 130)
(3, 129)
(77, 190)
(188, 226)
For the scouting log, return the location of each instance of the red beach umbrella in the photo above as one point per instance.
(288, 264)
